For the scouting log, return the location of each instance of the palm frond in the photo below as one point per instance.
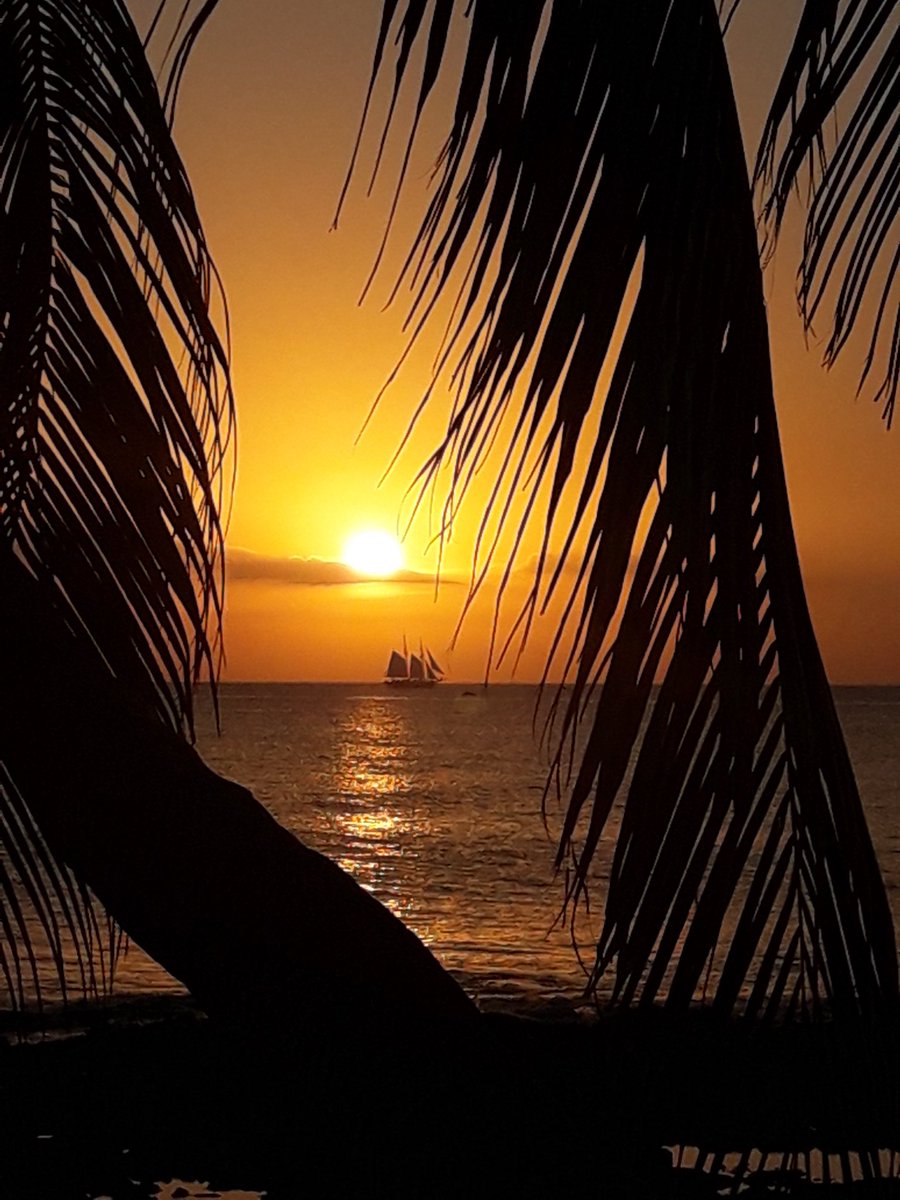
(117, 401)
(52, 931)
(594, 150)
(850, 245)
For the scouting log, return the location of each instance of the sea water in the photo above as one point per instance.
(432, 799)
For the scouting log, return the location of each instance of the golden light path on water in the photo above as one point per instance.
(375, 776)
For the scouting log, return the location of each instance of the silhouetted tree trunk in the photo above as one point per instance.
(193, 867)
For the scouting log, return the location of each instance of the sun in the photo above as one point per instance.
(373, 552)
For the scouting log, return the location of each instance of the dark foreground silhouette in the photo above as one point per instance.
(339, 1058)
(507, 1106)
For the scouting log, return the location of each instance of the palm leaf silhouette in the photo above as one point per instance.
(855, 191)
(595, 149)
(117, 400)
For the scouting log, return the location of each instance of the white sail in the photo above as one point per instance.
(397, 668)
(437, 671)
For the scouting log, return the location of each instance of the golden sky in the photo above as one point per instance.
(266, 125)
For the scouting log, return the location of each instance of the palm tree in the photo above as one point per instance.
(593, 168)
(593, 176)
(117, 412)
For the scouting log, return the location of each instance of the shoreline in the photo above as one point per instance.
(517, 1105)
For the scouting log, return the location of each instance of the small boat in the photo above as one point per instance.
(413, 670)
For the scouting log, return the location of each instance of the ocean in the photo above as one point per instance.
(432, 800)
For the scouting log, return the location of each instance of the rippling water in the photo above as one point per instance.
(433, 801)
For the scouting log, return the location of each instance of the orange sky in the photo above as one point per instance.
(266, 124)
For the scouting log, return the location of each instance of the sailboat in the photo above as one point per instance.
(413, 670)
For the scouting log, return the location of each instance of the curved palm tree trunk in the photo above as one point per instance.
(115, 427)
(194, 869)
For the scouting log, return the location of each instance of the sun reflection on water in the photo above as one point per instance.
(374, 751)
(375, 818)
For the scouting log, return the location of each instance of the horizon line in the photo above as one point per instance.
(481, 682)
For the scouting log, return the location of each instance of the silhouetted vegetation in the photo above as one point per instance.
(594, 153)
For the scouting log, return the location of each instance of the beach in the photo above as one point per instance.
(514, 1107)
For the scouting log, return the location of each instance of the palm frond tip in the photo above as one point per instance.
(850, 258)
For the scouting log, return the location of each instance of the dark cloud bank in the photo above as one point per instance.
(309, 572)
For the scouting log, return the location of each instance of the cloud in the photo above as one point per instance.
(247, 566)
(526, 567)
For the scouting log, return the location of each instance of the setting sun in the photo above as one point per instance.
(373, 552)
